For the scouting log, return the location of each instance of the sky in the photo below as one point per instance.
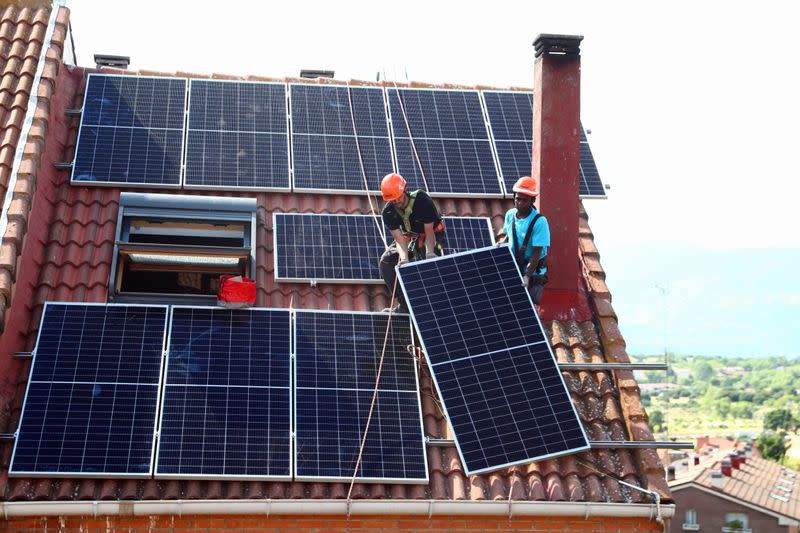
(693, 109)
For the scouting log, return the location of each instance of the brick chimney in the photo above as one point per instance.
(556, 165)
(726, 467)
(735, 461)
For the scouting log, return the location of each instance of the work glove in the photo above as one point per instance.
(526, 280)
(402, 261)
(430, 255)
(500, 243)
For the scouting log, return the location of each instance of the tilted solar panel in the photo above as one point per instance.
(447, 131)
(346, 248)
(226, 410)
(511, 121)
(90, 407)
(491, 362)
(326, 121)
(337, 358)
(237, 136)
(131, 131)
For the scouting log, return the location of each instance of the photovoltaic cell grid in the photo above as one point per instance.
(491, 361)
(90, 408)
(451, 139)
(336, 357)
(131, 131)
(327, 247)
(226, 408)
(345, 248)
(324, 149)
(591, 184)
(511, 120)
(238, 136)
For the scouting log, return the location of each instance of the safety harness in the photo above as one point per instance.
(537, 277)
(416, 245)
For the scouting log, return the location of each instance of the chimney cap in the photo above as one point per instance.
(107, 60)
(551, 43)
(316, 73)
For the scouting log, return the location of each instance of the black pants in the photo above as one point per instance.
(536, 292)
(388, 261)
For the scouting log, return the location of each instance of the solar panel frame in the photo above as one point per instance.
(404, 128)
(390, 139)
(585, 153)
(376, 280)
(134, 185)
(223, 187)
(417, 396)
(439, 390)
(290, 387)
(157, 385)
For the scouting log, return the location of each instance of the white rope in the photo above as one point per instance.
(364, 172)
(410, 136)
(374, 398)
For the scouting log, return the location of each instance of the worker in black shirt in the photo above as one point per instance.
(416, 226)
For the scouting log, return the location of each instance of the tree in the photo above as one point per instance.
(780, 419)
(703, 371)
(772, 446)
(656, 420)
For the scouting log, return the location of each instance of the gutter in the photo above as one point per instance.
(269, 507)
(27, 123)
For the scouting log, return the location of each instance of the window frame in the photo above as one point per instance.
(177, 207)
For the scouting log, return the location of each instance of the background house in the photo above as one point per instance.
(726, 485)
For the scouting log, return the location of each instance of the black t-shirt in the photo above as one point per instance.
(423, 212)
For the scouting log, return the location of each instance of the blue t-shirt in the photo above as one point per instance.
(539, 237)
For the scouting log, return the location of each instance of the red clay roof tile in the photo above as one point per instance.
(76, 264)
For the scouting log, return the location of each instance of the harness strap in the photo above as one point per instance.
(520, 253)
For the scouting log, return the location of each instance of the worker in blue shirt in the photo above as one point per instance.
(529, 233)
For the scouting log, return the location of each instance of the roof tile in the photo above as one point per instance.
(76, 264)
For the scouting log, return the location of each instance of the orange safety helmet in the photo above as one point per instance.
(392, 187)
(526, 185)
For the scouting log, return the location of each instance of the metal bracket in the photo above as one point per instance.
(595, 444)
(23, 355)
(73, 112)
(63, 165)
(8, 436)
(613, 366)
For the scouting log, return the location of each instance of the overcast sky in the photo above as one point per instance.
(693, 108)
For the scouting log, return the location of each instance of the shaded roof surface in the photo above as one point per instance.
(22, 35)
(753, 482)
(73, 264)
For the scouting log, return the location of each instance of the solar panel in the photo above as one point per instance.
(90, 406)
(324, 151)
(591, 184)
(450, 136)
(336, 365)
(346, 248)
(511, 120)
(226, 410)
(492, 364)
(237, 136)
(131, 131)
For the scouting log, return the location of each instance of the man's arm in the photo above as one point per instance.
(531, 268)
(402, 244)
(430, 240)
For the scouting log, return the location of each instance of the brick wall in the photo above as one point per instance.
(320, 524)
(711, 513)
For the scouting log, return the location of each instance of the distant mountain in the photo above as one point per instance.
(734, 302)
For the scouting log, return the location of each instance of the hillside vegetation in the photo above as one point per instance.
(718, 395)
